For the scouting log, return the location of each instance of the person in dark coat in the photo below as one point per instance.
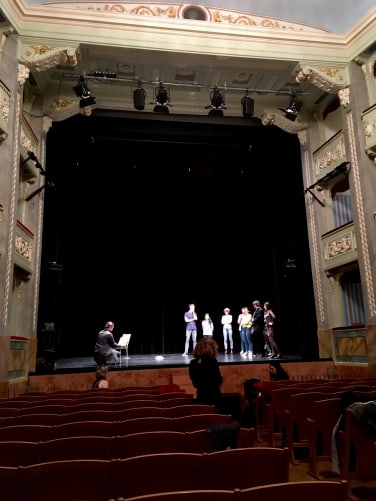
(205, 373)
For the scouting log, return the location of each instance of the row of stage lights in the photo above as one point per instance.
(162, 100)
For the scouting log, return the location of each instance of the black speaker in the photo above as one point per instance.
(248, 106)
(139, 98)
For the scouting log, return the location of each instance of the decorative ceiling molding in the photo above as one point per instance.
(41, 57)
(329, 79)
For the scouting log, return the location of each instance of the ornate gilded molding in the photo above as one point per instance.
(369, 124)
(23, 247)
(5, 32)
(330, 80)
(23, 73)
(43, 57)
(4, 110)
(344, 97)
(189, 11)
(331, 154)
(363, 235)
(339, 247)
(274, 117)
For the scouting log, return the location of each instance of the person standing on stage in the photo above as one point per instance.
(190, 318)
(205, 373)
(257, 329)
(226, 322)
(269, 318)
(105, 348)
(245, 322)
(207, 326)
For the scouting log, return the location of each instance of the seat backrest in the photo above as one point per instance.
(26, 432)
(152, 473)
(79, 447)
(92, 404)
(45, 409)
(188, 409)
(197, 495)
(37, 418)
(200, 421)
(83, 428)
(244, 468)
(310, 490)
(19, 452)
(149, 442)
(71, 480)
(11, 483)
(138, 412)
(143, 424)
(9, 411)
(87, 415)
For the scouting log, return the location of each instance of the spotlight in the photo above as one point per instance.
(139, 95)
(162, 95)
(217, 103)
(248, 105)
(293, 108)
(87, 101)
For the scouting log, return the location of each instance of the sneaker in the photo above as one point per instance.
(184, 354)
(250, 354)
(242, 352)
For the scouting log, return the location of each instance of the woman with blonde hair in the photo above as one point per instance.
(101, 377)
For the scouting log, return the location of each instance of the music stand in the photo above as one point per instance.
(123, 345)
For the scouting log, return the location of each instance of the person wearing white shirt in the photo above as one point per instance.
(207, 326)
(226, 322)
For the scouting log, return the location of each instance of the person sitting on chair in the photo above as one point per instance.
(105, 348)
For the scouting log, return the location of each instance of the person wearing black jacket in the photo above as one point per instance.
(257, 329)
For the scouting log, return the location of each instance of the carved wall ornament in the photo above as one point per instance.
(333, 153)
(23, 248)
(4, 110)
(271, 117)
(191, 12)
(335, 248)
(344, 97)
(369, 125)
(5, 33)
(23, 73)
(328, 79)
(44, 57)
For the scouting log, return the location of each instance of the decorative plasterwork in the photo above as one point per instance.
(5, 31)
(369, 124)
(330, 155)
(274, 117)
(63, 109)
(23, 247)
(339, 247)
(4, 110)
(23, 73)
(29, 142)
(187, 11)
(41, 57)
(328, 79)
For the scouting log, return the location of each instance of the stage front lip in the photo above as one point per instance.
(151, 361)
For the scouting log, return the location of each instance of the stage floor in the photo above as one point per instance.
(134, 362)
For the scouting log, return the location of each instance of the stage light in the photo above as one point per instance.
(139, 96)
(248, 105)
(217, 103)
(162, 102)
(293, 108)
(87, 101)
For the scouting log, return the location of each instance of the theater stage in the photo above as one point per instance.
(140, 361)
